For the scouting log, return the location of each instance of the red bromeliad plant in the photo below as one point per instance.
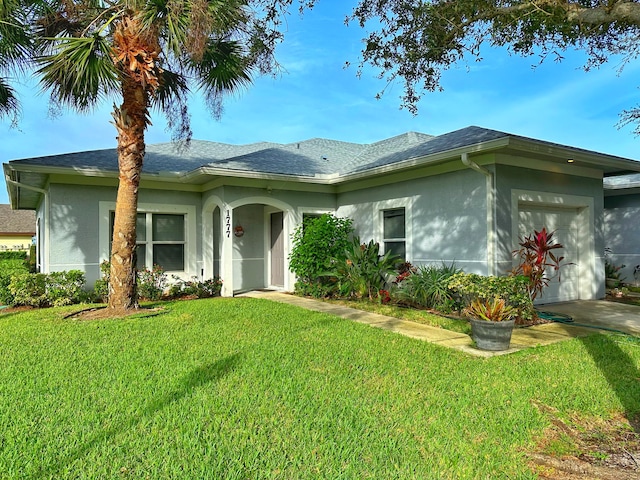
(536, 259)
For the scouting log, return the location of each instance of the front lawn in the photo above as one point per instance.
(246, 388)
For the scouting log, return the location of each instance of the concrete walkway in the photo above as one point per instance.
(522, 337)
(600, 313)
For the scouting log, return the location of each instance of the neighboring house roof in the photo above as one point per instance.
(316, 160)
(622, 184)
(17, 222)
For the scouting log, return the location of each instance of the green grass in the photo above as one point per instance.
(246, 388)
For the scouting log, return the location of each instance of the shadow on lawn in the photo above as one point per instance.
(619, 370)
(198, 377)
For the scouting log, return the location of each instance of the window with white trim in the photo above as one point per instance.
(394, 232)
(160, 240)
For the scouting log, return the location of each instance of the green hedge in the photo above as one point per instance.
(12, 255)
(43, 290)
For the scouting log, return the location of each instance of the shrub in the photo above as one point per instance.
(363, 272)
(6, 297)
(428, 286)
(46, 290)
(29, 289)
(101, 288)
(31, 261)
(194, 287)
(405, 269)
(151, 283)
(315, 243)
(13, 255)
(514, 289)
(536, 259)
(65, 288)
(324, 287)
(11, 263)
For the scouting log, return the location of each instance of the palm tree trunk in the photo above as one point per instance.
(130, 120)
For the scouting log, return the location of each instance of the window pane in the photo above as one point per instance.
(394, 223)
(169, 257)
(141, 263)
(141, 227)
(396, 248)
(168, 228)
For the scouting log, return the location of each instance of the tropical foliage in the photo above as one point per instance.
(537, 261)
(493, 310)
(362, 272)
(428, 287)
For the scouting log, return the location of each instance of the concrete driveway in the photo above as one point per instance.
(599, 313)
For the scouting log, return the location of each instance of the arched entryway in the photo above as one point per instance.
(246, 243)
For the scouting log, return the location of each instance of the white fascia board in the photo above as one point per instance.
(88, 172)
(578, 154)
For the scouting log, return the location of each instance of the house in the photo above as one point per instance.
(622, 224)
(230, 210)
(17, 228)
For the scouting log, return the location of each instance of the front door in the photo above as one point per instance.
(277, 249)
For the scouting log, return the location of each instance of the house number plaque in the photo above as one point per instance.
(227, 222)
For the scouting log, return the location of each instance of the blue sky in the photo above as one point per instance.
(318, 97)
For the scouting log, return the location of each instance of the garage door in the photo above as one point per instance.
(565, 223)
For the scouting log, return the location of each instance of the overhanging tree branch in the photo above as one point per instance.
(417, 40)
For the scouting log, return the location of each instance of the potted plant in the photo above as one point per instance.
(492, 322)
(612, 275)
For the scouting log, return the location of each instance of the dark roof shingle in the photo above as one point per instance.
(17, 221)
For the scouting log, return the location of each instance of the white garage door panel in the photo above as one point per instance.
(564, 223)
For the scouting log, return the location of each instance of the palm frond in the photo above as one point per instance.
(173, 87)
(9, 104)
(223, 68)
(81, 71)
(170, 18)
(171, 99)
(15, 42)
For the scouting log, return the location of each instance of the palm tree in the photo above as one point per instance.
(148, 53)
(15, 51)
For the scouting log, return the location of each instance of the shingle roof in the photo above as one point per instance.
(316, 156)
(17, 221)
(622, 182)
(310, 158)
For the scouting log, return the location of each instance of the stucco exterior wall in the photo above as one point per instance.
(446, 217)
(76, 224)
(72, 227)
(622, 234)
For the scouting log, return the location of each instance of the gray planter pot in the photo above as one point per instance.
(494, 336)
(612, 282)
